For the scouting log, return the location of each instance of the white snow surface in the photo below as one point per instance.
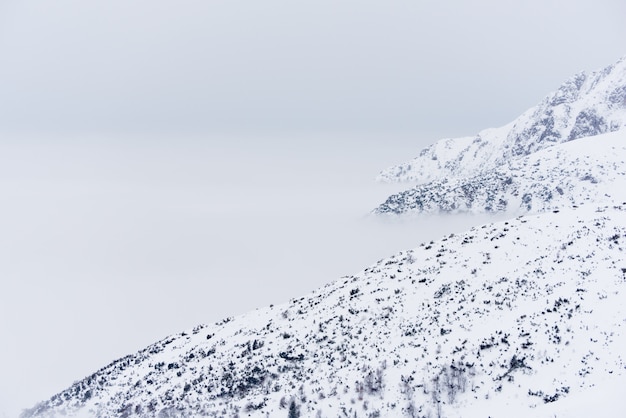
(585, 105)
(590, 169)
(517, 318)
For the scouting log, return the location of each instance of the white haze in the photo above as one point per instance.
(109, 244)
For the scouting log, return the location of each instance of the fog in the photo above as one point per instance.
(113, 243)
(164, 165)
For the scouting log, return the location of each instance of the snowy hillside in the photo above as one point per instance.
(519, 318)
(585, 105)
(590, 169)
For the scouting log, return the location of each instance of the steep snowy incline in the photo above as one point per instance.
(591, 169)
(585, 105)
(519, 318)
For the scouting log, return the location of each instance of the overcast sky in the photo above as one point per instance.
(164, 164)
(325, 65)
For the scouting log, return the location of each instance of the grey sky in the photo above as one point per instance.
(389, 66)
(164, 163)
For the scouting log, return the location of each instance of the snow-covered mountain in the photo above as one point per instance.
(590, 169)
(585, 105)
(518, 318)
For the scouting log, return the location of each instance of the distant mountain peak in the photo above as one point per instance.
(586, 104)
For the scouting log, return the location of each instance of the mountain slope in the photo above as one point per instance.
(519, 318)
(586, 170)
(585, 105)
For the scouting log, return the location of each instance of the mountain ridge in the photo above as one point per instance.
(586, 104)
(571, 173)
